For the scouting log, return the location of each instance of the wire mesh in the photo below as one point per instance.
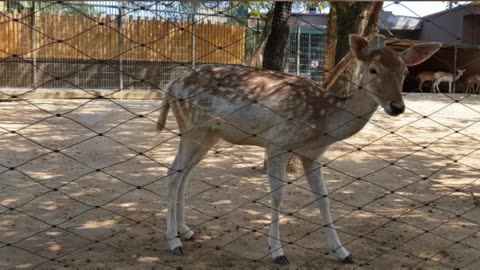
(84, 181)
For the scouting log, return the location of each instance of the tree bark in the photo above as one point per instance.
(273, 56)
(256, 57)
(331, 40)
(346, 18)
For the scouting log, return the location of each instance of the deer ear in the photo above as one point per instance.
(358, 46)
(419, 53)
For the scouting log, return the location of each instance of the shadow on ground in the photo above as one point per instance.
(87, 189)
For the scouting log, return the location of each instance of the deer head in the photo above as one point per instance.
(460, 73)
(381, 72)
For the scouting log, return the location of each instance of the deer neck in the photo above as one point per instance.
(350, 115)
(458, 76)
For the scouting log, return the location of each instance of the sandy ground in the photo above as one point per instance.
(99, 201)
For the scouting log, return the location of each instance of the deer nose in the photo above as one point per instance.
(397, 108)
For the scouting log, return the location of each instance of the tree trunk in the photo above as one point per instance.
(346, 18)
(277, 40)
(256, 57)
(331, 40)
(274, 54)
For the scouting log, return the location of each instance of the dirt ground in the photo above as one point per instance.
(98, 202)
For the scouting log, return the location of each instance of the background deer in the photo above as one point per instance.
(473, 84)
(285, 114)
(445, 77)
(426, 76)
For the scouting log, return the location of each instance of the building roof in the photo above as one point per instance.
(459, 7)
(394, 22)
(391, 22)
(404, 43)
(387, 21)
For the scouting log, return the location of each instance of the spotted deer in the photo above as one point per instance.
(286, 115)
(423, 77)
(473, 84)
(446, 77)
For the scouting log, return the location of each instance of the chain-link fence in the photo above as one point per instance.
(138, 44)
(84, 181)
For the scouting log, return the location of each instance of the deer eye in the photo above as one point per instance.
(372, 71)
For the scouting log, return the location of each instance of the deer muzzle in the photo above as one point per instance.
(395, 108)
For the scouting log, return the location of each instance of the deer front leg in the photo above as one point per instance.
(276, 168)
(313, 174)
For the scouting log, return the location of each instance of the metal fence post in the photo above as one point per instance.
(257, 34)
(120, 44)
(454, 68)
(194, 11)
(34, 46)
(298, 49)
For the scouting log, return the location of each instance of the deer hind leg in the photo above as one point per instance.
(313, 174)
(207, 141)
(437, 87)
(277, 170)
(190, 153)
(420, 86)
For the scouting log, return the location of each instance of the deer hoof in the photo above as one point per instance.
(281, 260)
(178, 251)
(348, 260)
(188, 235)
(190, 238)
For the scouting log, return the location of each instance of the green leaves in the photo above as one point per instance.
(52, 7)
(452, 4)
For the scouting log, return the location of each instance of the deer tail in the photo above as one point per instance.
(164, 107)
